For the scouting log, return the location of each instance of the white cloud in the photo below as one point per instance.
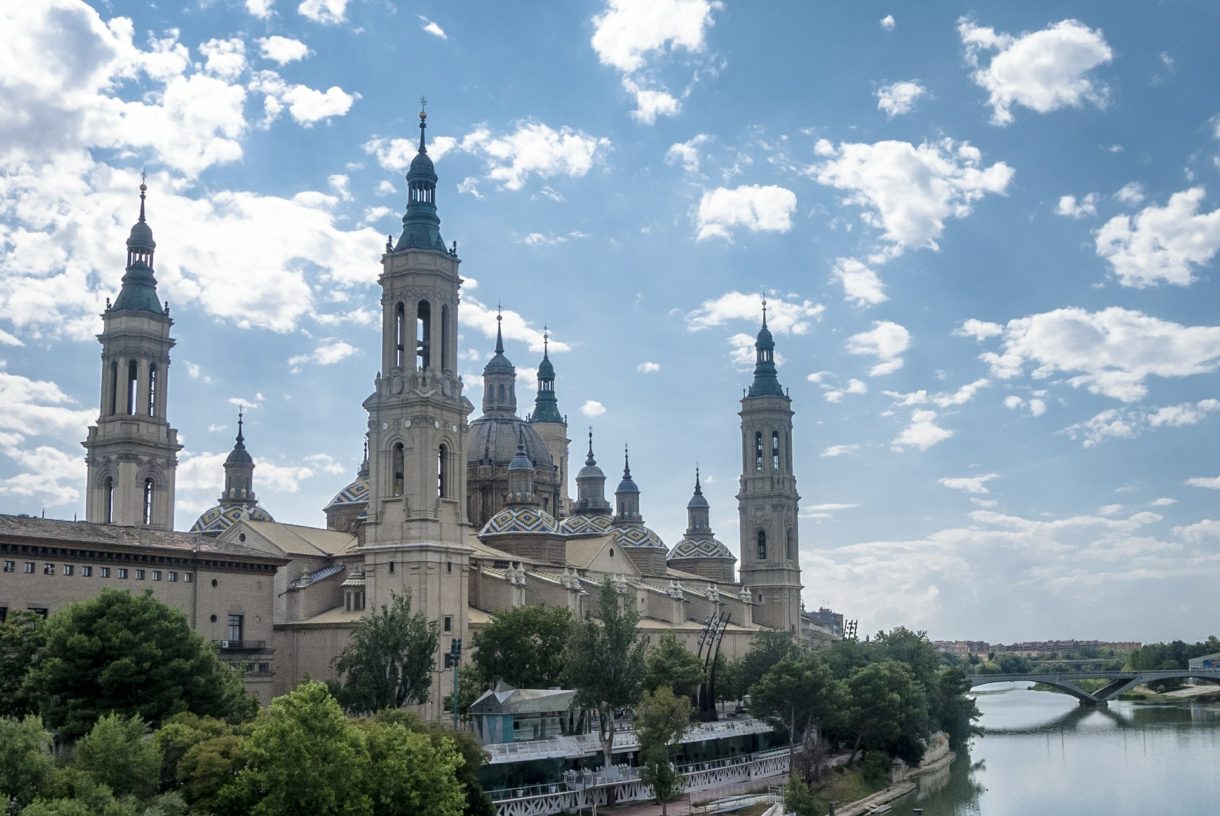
(839, 450)
(514, 325)
(260, 8)
(1131, 193)
(433, 28)
(396, 154)
(825, 511)
(282, 50)
(1164, 501)
(686, 153)
(38, 407)
(887, 341)
(307, 105)
(324, 11)
(757, 208)
(1035, 405)
(1111, 352)
(853, 386)
(49, 476)
(592, 408)
(979, 329)
(1206, 531)
(941, 399)
(1161, 244)
(783, 316)
(1043, 71)
(7, 339)
(970, 484)
(648, 367)
(898, 98)
(887, 22)
(909, 192)
(328, 352)
(651, 102)
(861, 285)
(225, 58)
(1211, 483)
(1070, 207)
(922, 432)
(1128, 423)
(534, 148)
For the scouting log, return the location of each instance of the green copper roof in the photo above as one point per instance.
(421, 227)
(546, 404)
(139, 292)
(766, 381)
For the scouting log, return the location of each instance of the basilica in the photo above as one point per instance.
(470, 515)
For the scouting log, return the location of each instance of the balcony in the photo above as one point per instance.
(241, 645)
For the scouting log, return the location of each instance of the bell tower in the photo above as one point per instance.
(552, 427)
(767, 501)
(132, 452)
(414, 538)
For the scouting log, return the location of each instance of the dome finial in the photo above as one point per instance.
(499, 334)
(590, 461)
(143, 190)
(240, 419)
(764, 307)
(546, 339)
(698, 487)
(423, 122)
(626, 462)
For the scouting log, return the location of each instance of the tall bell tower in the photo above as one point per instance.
(414, 538)
(132, 452)
(767, 501)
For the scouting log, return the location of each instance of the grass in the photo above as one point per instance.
(845, 785)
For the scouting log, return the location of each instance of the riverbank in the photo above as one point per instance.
(904, 787)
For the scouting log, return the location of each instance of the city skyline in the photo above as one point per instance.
(988, 283)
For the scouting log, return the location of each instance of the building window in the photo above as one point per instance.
(41, 611)
(445, 364)
(48, 569)
(400, 320)
(103, 572)
(235, 627)
(187, 578)
(398, 469)
(133, 376)
(29, 567)
(423, 335)
(762, 545)
(156, 576)
(148, 500)
(139, 575)
(790, 546)
(449, 566)
(10, 566)
(448, 625)
(3, 614)
(391, 568)
(108, 496)
(775, 450)
(152, 389)
(173, 577)
(66, 569)
(114, 389)
(86, 572)
(122, 572)
(758, 450)
(442, 472)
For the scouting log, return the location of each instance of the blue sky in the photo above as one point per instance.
(988, 234)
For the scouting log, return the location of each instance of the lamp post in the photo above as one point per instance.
(453, 660)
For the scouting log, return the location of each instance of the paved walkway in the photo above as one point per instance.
(682, 806)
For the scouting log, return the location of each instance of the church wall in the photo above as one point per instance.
(650, 561)
(494, 592)
(717, 570)
(305, 602)
(534, 547)
(308, 651)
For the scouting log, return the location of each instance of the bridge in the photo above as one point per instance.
(1119, 681)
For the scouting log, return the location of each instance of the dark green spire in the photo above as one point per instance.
(139, 292)
(546, 404)
(421, 227)
(766, 381)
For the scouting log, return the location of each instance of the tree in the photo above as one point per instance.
(205, 772)
(887, 710)
(121, 754)
(798, 694)
(130, 655)
(958, 711)
(605, 661)
(523, 646)
(303, 756)
(25, 759)
(671, 665)
(22, 638)
(410, 774)
(728, 679)
(478, 803)
(766, 649)
(388, 662)
(661, 718)
(179, 734)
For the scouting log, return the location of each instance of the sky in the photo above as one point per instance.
(987, 233)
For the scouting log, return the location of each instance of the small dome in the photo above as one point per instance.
(520, 520)
(586, 525)
(697, 500)
(141, 237)
(421, 165)
(499, 364)
(546, 371)
(591, 472)
(355, 493)
(498, 436)
(628, 485)
(701, 548)
(637, 535)
(239, 456)
(215, 521)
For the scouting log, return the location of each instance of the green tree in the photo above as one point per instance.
(120, 753)
(799, 694)
(605, 661)
(523, 646)
(728, 679)
(74, 791)
(388, 662)
(478, 803)
(22, 639)
(766, 649)
(131, 655)
(410, 774)
(661, 718)
(672, 665)
(205, 772)
(303, 756)
(958, 711)
(888, 710)
(179, 734)
(26, 764)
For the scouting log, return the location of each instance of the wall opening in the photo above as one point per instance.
(762, 545)
(423, 332)
(152, 389)
(148, 500)
(133, 377)
(398, 470)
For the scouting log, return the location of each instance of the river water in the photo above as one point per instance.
(1044, 755)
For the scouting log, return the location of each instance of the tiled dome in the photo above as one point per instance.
(586, 525)
(520, 520)
(215, 521)
(701, 548)
(355, 493)
(637, 535)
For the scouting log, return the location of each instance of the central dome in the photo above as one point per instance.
(493, 441)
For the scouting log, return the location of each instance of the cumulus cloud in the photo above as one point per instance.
(970, 484)
(827, 510)
(1044, 70)
(1036, 405)
(326, 12)
(757, 208)
(839, 450)
(534, 149)
(686, 153)
(224, 58)
(592, 408)
(887, 341)
(861, 285)
(941, 399)
(648, 367)
(651, 102)
(908, 192)
(282, 50)
(853, 386)
(1128, 423)
(978, 329)
(921, 433)
(898, 98)
(513, 325)
(1209, 482)
(784, 316)
(327, 352)
(1071, 207)
(260, 8)
(887, 22)
(1111, 352)
(1161, 244)
(1131, 193)
(433, 28)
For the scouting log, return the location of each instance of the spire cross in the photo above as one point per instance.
(143, 188)
(423, 122)
(546, 337)
(499, 334)
(764, 305)
(240, 420)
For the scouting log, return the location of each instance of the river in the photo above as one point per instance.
(1044, 755)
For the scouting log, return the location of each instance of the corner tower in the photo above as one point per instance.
(132, 452)
(552, 427)
(767, 500)
(414, 535)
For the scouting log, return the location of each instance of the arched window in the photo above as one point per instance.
(133, 377)
(790, 546)
(148, 500)
(762, 545)
(500, 392)
(114, 389)
(152, 389)
(775, 450)
(758, 451)
(423, 332)
(398, 470)
(108, 497)
(442, 472)
(400, 327)
(445, 363)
